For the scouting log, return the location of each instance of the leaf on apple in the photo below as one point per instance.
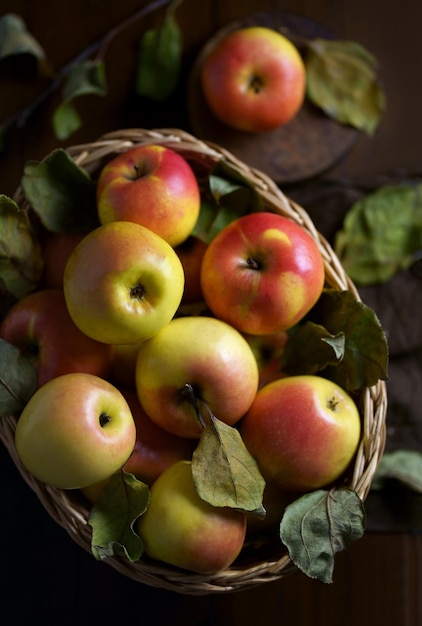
(21, 259)
(318, 525)
(16, 40)
(402, 465)
(160, 60)
(61, 193)
(342, 81)
(85, 78)
(224, 472)
(382, 233)
(18, 379)
(310, 348)
(365, 359)
(113, 516)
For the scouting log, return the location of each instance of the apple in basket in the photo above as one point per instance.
(191, 252)
(196, 364)
(40, 326)
(253, 79)
(56, 250)
(75, 431)
(262, 273)
(151, 185)
(183, 530)
(122, 283)
(303, 431)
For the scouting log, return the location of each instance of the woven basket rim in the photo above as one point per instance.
(71, 514)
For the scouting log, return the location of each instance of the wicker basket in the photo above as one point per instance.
(263, 564)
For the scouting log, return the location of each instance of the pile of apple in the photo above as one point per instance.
(126, 381)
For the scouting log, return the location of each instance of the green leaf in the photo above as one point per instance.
(342, 81)
(113, 517)
(66, 120)
(21, 259)
(61, 193)
(381, 233)
(15, 39)
(18, 379)
(310, 348)
(318, 525)
(365, 359)
(224, 472)
(402, 465)
(160, 60)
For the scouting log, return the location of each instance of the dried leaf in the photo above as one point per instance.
(402, 465)
(160, 60)
(381, 233)
(113, 517)
(18, 379)
(318, 525)
(342, 81)
(21, 259)
(224, 472)
(61, 193)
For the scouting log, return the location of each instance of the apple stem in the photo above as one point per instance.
(189, 393)
(104, 419)
(253, 263)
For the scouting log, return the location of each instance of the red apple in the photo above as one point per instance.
(151, 185)
(75, 431)
(191, 253)
(41, 327)
(303, 432)
(201, 354)
(182, 529)
(254, 79)
(155, 448)
(262, 273)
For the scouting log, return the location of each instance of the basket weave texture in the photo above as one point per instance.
(260, 565)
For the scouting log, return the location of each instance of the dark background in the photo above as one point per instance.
(44, 576)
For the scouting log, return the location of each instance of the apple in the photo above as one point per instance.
(122, 283)
(262, 273)
(76, 430)
(191, 253)
(195, 360)
(253, 79)
(183, 530)
(155, 449)
(40, 326)
(151, 185)
(303, 432)
(268, 351)
(56, 249)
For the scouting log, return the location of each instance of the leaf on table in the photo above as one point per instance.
(402, 465)
(21, 260)
(381, 233)
(318, 525)
(365, 359)
(113, 516)
(342, 81)
(85, 78)
(310, 348)
(160, 60)
(16, 40)
(224, 472)
(61, 193)
(18, 379)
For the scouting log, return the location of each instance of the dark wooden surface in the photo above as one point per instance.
(44, 576)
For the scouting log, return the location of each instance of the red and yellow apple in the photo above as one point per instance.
(303, 432)
(262, 273)
(183, 530)
(122, 283)
(196, 364)
(155, 449)
(151, 185)
(75, 431)
(41, 327)
(253, 79)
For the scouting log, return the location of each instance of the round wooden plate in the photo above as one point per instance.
(307, 146)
